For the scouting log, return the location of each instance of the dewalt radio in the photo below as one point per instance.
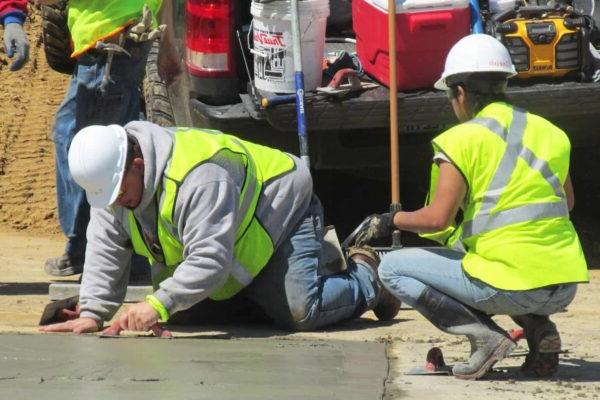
(545, 41)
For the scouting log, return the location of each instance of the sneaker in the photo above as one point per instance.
(387, 306)
(64, 265)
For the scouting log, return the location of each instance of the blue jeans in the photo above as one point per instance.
(84, 105)
(407, 272)
(291, 291)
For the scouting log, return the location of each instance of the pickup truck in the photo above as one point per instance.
(348, 136)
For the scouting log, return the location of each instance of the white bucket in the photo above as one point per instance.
(273, 45)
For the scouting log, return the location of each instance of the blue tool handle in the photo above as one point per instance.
(300, 114)
(476, 23)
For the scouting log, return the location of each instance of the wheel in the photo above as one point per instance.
(156, 97)
(56, 37)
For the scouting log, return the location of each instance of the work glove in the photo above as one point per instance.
(377, 226)
(142, 30)
(15, 40)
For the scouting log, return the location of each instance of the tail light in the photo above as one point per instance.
(209, 38)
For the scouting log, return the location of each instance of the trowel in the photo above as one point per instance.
(60, 311)
(114, 331)
(434, 364)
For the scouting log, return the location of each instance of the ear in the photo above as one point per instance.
(460, 94)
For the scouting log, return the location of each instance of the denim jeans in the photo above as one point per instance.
(292, 292)
(82, 106)
(407, 272)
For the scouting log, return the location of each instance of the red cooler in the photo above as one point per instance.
(425, 32)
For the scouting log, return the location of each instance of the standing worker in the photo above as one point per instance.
(514, 251)
(12, 15)
(219, 218)
(111, 41)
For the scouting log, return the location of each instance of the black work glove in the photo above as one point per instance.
(15, 40)
(378, 226)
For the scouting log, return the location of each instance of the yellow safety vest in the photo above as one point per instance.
(253, 246)
(92, 20)
(515, 230)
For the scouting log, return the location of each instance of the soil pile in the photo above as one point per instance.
(28, 100)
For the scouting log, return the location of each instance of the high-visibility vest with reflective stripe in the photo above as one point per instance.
(92, 20)
(253, 246)
(515, 230)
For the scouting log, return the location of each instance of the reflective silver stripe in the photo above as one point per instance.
(529, 212)
(492, 124)
(508, 162)
(484, 220)
(240, 273)
(251, 186)
(542, 166)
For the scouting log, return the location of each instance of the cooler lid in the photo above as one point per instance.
(408, 6)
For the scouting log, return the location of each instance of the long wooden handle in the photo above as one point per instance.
(394, 152)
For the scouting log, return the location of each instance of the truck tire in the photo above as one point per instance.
(156, 96)
(56, 37)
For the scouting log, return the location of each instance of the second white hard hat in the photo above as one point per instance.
(476, 53)
(97, 159)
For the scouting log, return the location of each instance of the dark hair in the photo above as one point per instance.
(481, 88)
(133, 151)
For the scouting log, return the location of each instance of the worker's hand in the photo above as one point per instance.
(138, 317)
(377, 226)
(15, 40)
(79, 325)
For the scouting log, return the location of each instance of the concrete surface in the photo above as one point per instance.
(58, 367)
(24, 292)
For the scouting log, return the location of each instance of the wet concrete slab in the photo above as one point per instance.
(52, 367)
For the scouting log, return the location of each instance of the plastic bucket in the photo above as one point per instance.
(273, 45)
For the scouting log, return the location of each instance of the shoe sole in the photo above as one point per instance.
(62, 272)
(550, 343)
(503, 349)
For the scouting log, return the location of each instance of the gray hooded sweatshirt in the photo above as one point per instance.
(206, 218)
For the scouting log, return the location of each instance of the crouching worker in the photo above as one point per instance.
(220, 218)
(512, 250)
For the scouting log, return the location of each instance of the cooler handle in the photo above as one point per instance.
(429, 23)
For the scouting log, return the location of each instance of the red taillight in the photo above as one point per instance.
(209, 38)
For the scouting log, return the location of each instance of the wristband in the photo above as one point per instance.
(158, 307)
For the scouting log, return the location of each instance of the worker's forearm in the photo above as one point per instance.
(424, 220)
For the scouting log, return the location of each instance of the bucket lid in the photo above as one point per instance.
(408, 6)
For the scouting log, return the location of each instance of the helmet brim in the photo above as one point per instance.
(441, 84)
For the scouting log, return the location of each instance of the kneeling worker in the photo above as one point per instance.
(218, 217)
(513, 250)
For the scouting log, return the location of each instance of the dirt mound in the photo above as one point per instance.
(28, 100)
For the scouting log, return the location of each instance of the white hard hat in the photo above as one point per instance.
(476, 53)
(97, 159)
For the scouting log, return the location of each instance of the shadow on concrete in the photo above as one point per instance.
(363, 323)
(23, 288)
(569, 371)
(247, 330)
